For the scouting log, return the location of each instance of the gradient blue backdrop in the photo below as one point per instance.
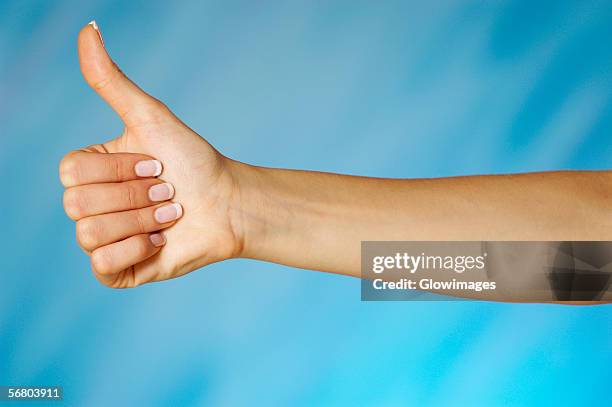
(397, 89)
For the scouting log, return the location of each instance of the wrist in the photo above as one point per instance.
(248, 210)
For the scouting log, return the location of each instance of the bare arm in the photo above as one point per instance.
(317, 220)
(159, 201)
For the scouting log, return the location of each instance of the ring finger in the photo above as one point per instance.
(100, 230)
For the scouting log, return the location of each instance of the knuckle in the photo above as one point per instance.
(107, 280)
(130, 195)
(107, 78)
(154, 105)
(141, 249)
(88, 233)
(75, 203)
(158, 105)
(140, 223)
(154, 110)
(69, 170)
(102, 261)
(114, 166)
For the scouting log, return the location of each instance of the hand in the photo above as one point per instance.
(112, 204)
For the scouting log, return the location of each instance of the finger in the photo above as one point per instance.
(97, 231)
(119, 256)
(130, 102)
(96, 199)
(81, 167)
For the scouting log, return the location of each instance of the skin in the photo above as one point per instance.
(298, 218)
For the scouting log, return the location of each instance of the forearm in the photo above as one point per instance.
(317, 220)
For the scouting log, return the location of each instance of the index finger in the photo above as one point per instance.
(82, 167)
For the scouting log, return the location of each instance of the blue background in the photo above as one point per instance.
(397, 89)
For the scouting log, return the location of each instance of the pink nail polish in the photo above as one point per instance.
(168, 213)
(148, 168)
(161, 192)
(157, 239)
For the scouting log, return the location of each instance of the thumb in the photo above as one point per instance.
(131, 103)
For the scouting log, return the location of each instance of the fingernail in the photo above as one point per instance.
(148, 168)
(161, 192)
(168, 213)
(157, 239)
(94, 25)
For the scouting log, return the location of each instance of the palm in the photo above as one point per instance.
(205, 226)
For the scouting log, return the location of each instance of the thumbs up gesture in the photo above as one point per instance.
(155, 202)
